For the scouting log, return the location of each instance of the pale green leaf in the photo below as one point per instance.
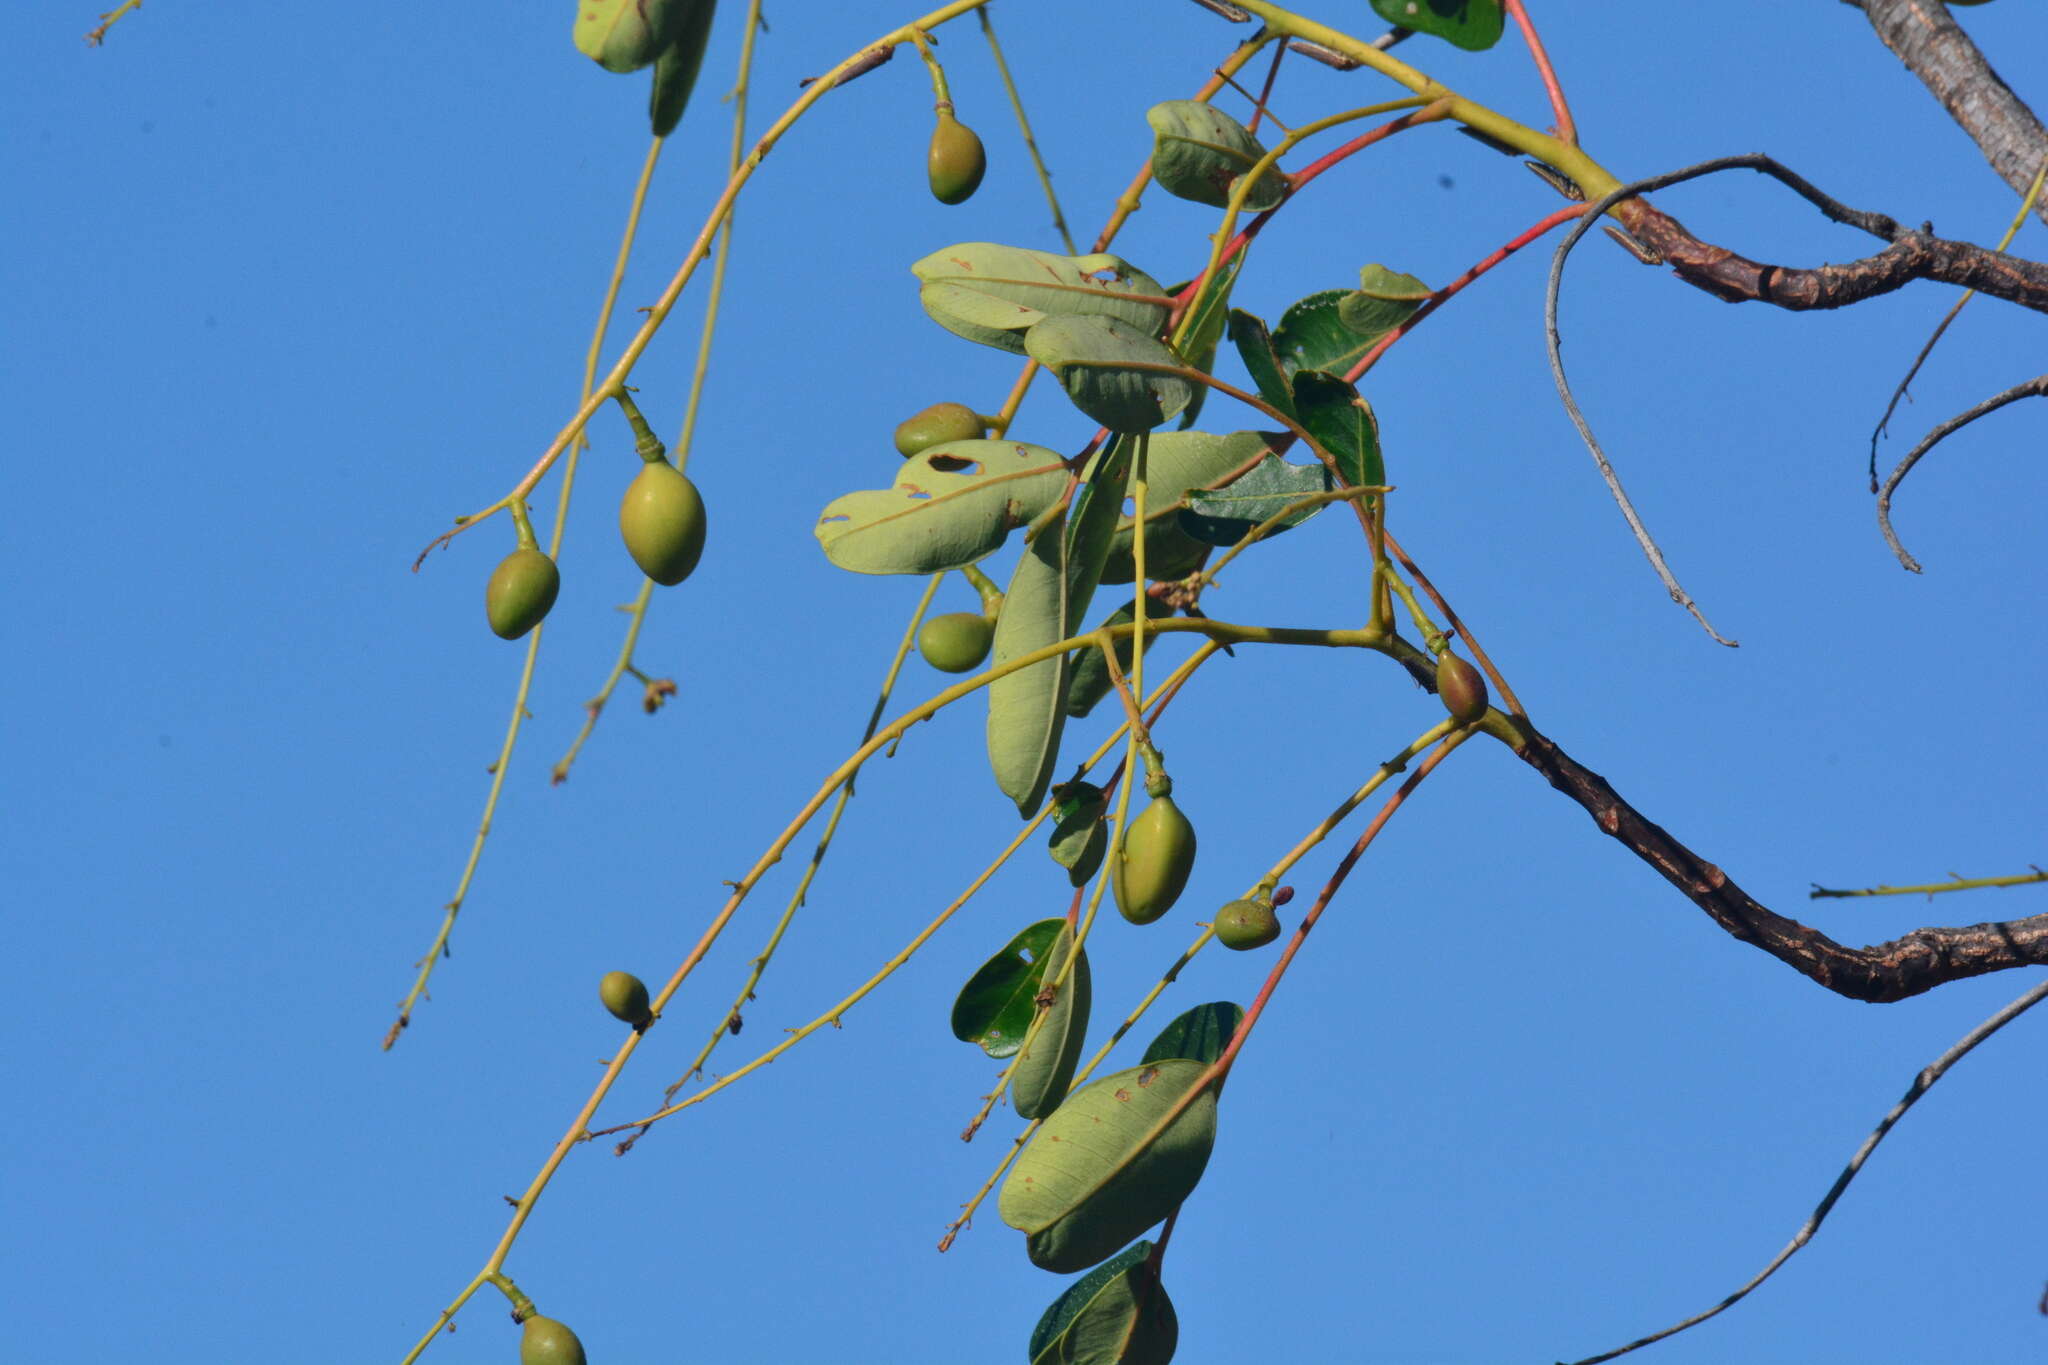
(951, 505)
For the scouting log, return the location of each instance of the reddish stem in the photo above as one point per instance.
(1266, 90)
(1566, 130)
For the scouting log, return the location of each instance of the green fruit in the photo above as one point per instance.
(662, 520)
(1461, 688)
(1247, 924)
(1153, 861)
(936, 425)
(956, 643)
(547, 1342)
(956, 163)
(625, 35)
(521, 590)
(625, 995)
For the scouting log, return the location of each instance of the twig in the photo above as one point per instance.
(1820, 892)
(1920, 1086)
(2037, 387)
(995, 48)
(108, 20)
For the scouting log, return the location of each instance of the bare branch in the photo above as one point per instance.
(2037, 387)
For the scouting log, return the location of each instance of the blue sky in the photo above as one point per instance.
(290, 287)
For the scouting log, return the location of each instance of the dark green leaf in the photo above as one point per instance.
(1082, 1187)
(1199, 1034)
(1108, 369)
(997, 1003)
(1078, 833)
(675, 71)
(1474, 25)
(1229, 514)
(1343, 424)
(1255, 348)
(1312, 336)
(1090, 682)
(1210, 310)
(1383, 301)
(1199, 153)
(1116, 1314)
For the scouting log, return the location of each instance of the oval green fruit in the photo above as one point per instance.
(1153, 861)
(625, 995)
(662, 521)
(1247, 924)
(1461, 688)
(956, 162)
(957, 642)
(522, 589)
(936, 425)
(547, 1342)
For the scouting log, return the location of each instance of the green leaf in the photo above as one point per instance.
(1027, 708)
(951, 505)
(1199, 153)
(1383, 301)
(1474, 25)
(998, 1001)
(1199, 1034)
(675, 71)
(625, 35)
(1081, 1188)
(1255, 348)
(1312, 335)
(1176, 464)
(1090, 681)
(1046, 1067)
(1202, 335)
(1229, 514)
(1343, 424)
(1093, 356)
(994, 294)
(1116, 1314)
(1079, 835)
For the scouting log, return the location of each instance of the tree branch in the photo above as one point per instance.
(1923, 35)
(1879, 974)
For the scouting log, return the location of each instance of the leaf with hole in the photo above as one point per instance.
(1045, 1067)
(1474, 25)
(1199, 1034)
(1226, 515)
(1342, 424)
(1088, 1181)
(998, 1001)
(994, 294)
(1199, 153)
(951, 505)
(1111, 370)
(1116, 1314)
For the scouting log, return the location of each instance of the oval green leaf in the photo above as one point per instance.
(1474, 25)
(1104, 363)
(993, 294)
(1229, 514)
(951, 505)
(1177, 463)
(1116, 1314)
(625, 35)
(1087, 1183)
(996, 1005)
(1045, 1068)
(1079, 835)
(1254, 343)
(1199, 153)
(1343, 424)
(675, 71)
(1199, 1034)
(1027, 708)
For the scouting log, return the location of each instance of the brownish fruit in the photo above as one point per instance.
(547, 1342)
(662, 520)
(957, 162)
(1153, 861)
(936, 425)
(521, 590)
(625, 995)
(956, 643)
(1462, 689)
(1247, 924)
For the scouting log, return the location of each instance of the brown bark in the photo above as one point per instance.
(1923, 35)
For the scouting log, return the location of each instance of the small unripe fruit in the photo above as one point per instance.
(956, 162)
(547, 1342)
(662, 521)
(1247, 924)
(956, 643)
(936, 425)
(521, 590)
(625, 995)
(1461, 688)
(1153, 861)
